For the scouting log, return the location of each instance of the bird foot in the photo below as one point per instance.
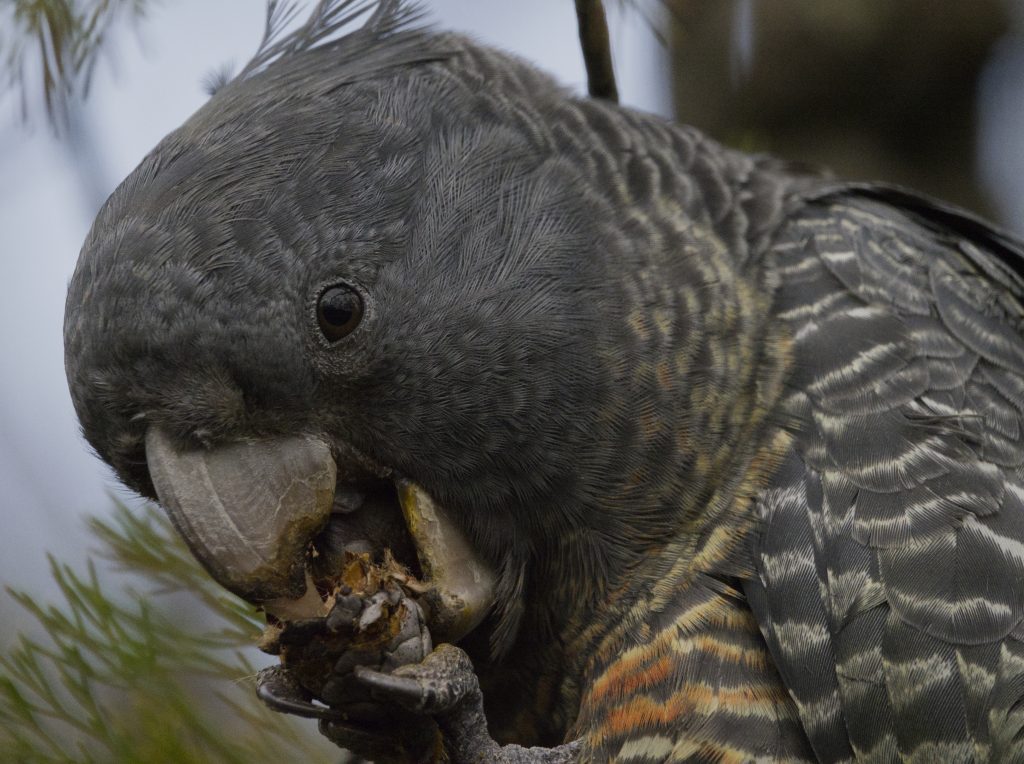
(445, 686)
(280, 690)
(436, 714)
(433, 687)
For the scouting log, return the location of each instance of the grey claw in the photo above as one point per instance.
(281, 691)
(400, 689)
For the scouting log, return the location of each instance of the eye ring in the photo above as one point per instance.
(339, 309)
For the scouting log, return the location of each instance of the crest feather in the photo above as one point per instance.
(388, 37)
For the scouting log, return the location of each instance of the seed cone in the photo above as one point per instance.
(371, 618)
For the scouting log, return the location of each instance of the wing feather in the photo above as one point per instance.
(891, 558)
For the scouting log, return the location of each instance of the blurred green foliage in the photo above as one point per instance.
(55, 45)
(149, 668)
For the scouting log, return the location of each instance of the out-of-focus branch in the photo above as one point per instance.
(597, 49)
(55, 44)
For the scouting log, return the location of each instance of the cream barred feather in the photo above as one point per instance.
(890, 561)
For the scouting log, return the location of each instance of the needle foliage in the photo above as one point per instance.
(55, 45)
(142, 658)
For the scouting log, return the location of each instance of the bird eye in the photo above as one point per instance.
(339, 311)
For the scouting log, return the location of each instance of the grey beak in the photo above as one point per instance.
(462, 585)
(247, 510)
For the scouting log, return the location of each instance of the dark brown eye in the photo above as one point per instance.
(339, 311)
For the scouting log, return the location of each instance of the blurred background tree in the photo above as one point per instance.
(49, 51)
(872, 89)
(54, 45)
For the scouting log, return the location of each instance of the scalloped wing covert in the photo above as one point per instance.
(890, 563)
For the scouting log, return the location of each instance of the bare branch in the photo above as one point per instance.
(597, 49)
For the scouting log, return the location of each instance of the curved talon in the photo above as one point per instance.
(281, 691)
(402, 690)
(436, 686)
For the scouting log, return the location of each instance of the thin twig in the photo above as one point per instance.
(597, 49)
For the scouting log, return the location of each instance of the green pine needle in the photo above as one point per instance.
(55, 45)
(150, 668)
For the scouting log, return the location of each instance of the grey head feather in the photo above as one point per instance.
(325, 53)
(322, 29)
(216, 79)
